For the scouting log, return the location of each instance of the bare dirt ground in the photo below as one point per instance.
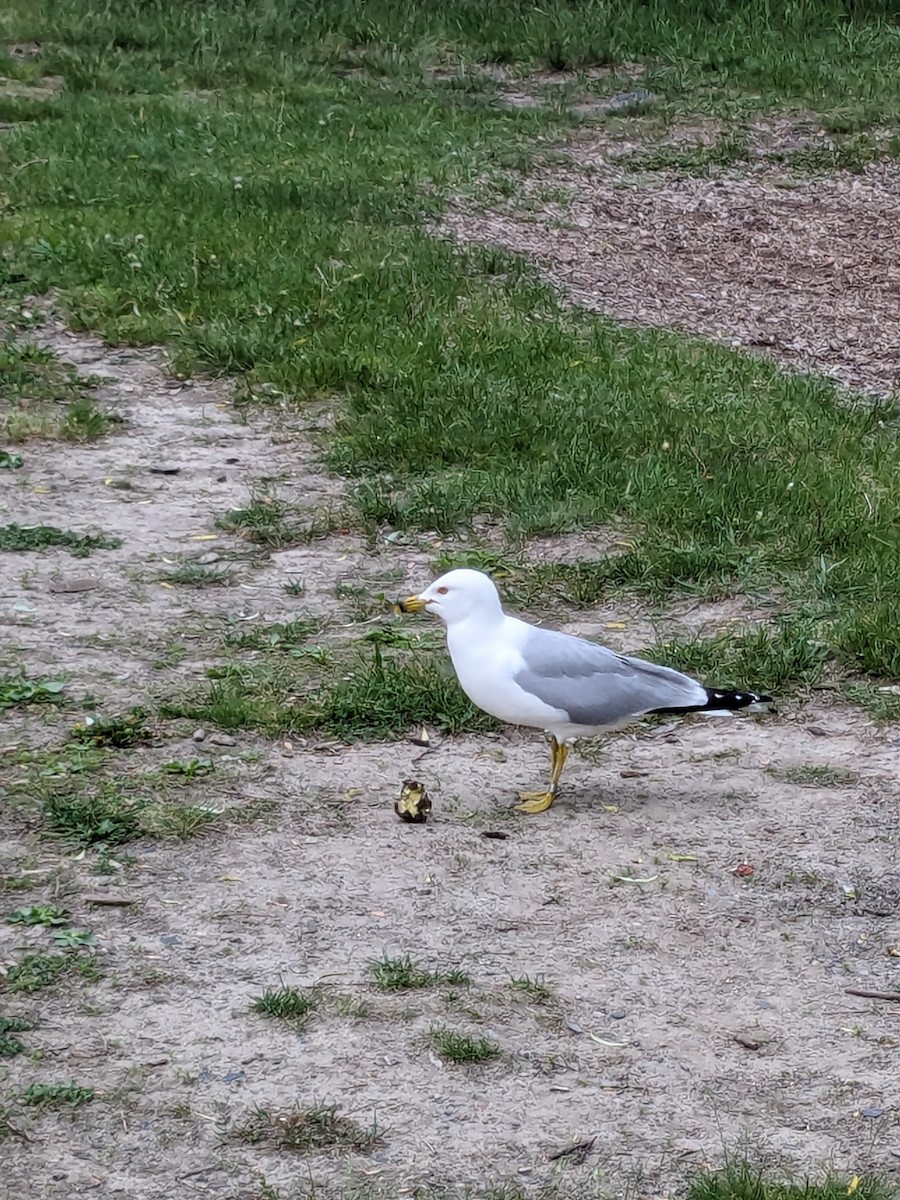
(804, 269)
(690, 1008)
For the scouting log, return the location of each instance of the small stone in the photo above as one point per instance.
(164, 470)
(207, 559)
(871, 1113)
(198, 735)
(617, 1014)
(74, 583)
(574, 1027)
(222, 739)
(748, 1041)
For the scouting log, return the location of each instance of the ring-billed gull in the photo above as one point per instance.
(569, 687)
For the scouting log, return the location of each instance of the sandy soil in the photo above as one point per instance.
(688, 1013)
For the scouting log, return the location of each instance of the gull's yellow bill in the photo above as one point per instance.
(412, 604)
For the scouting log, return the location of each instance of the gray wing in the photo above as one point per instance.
(597, 687)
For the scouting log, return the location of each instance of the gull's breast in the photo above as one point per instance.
(486, 665)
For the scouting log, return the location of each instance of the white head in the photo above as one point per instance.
(457, 596)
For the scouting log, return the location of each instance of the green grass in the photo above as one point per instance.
(741, 1180)
(10, 1045)
(462, 1048)
(852, 152)
(41, 397)
(276, 525)
(148, 197)
(19, 691)
(369, 697)
(113, 732)
(403, 975)
(100, 816)
(57, 1095)
(179, 821)
(22, 538)
(767, 658)
(315, 1129)
(198, 575)
(818, 776)
(880, 703)
(287, 1004)
(38, 914)
(535, 990)
(280, 635)
(34, 972)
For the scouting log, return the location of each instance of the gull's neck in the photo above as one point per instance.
(478, 628)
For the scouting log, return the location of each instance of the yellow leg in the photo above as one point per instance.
(538, 802)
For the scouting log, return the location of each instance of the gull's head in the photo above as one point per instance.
(457, 596)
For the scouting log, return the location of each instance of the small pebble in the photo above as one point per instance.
(871, 1112)
(222, 739)
(617, 1014)
(206, 559)
(198, 735)
(574, 1027)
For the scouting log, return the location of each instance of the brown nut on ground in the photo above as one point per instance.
(413, 804)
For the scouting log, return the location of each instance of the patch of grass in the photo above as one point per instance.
(742, 1180)
(287, 1004)
(533, 989)
(462, 1048)
(868, 639)
(285, 636)
(882, 704)
(20, 691)
(355, 1008)
(39, 914)
(370, 698)
(115, 732)
(194, 768)
(102, 817)
(38, 971)
(19, 539)
(385, 697)
(816, 775)
(10, 1045)
(313, 1130)
(42, 397)
(57, 1095)
(655, 572)
(728, 148)
(181, 821)
(763, 659)
(271, 522)
(402, 974)
(198, 575)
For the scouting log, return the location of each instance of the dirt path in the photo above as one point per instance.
(687, 1007)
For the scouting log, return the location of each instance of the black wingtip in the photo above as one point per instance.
(719, 700)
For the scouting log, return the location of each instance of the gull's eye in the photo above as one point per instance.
(442, 591)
